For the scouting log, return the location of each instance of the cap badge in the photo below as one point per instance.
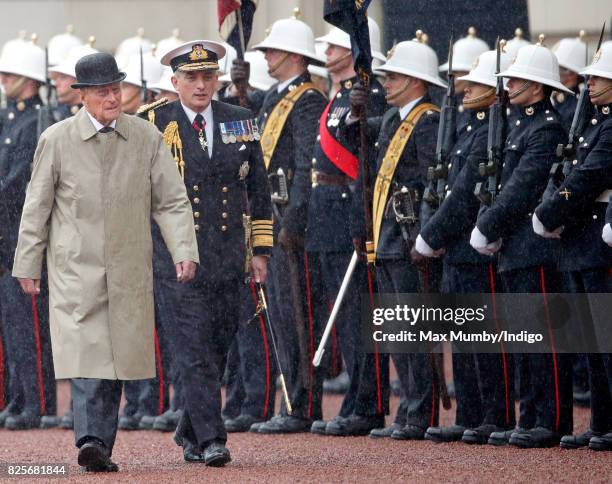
(198, 53)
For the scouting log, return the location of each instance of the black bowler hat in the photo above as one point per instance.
(97, 69)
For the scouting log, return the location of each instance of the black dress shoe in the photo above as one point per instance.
(93, 456)
(146, 422)
(242, 423)
(603, 442)
(285, 425)
(578, 441)
(216, 455)
(445, 434)
(409, 432)
(503, 437)
(535, 438)
(338, 385)
(318, 427)
(480, 435)
(23, 421)
(167, 421)
(67, 421)
(129, 422)
(354, 425)
(384, 432)
(49, 421)
(192, 452)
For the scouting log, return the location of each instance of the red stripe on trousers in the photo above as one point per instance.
(262, 328)
(41, 388)
(552, 347)
(160, 372)
(379, 405)
(311, 337)
(503, 352)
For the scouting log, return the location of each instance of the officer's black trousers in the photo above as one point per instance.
(95, 406)
(484, 382)
(545, 378)
(251, 369)
(423, 402)
(598, 280)
(208, 314)
(27, 348)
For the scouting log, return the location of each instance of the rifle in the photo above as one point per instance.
(143, 81)
(498, 125)
(566, 153)
(437, 173)
(45, 113)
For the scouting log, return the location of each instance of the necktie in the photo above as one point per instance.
(106, 129)
(200, 125)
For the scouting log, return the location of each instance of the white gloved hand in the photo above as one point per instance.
(423, 248)
(479, 242)
(606, 234)
(538, 228)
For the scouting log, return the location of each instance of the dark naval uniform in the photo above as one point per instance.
(397, 274)
(292, 156)
(484, 389)
(565, 104)
(331, 227)
(527, 264)
(27, 345)
(579, 205)
(207, 310)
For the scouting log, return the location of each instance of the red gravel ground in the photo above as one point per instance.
(148, 456)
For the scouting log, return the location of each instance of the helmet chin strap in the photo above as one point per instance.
(274, 67)
(16, 89)
(483, 100)
(602, 92)
(337, 61)
(399, 92)
(520, 90)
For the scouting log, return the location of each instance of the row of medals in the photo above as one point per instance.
(239, 131)
(336, 116)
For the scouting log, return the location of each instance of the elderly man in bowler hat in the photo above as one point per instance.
(97, 180)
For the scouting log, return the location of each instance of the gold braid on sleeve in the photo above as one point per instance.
(173, 141)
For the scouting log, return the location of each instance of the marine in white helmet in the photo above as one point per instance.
(140, 73)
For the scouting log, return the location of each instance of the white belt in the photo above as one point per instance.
(604, 197)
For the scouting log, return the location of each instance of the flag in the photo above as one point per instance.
(351, 16)
(228, 27)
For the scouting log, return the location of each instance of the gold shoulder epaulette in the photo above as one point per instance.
(173, 141)
(149, 108)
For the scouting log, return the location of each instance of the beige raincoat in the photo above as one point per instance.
(90, 203)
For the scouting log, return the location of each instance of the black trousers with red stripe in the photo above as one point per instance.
(4, 393)
(597, 280)
(415, 370)
(27, 349)
(484, 382)
(545, 379)
(251, 370)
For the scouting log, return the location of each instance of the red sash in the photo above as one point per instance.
(342, 158)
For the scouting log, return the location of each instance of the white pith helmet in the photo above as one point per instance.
(60, 45)
(515, 43)
(536, 63)
(340, 38)
(67, 65)
(165, 81)
(169, 43)
(291, 35)
(21, 38)
(25, 59)
(131, 46)
(414, 58)
(485, 68)
(259, 78)
(465, 52)
(151, 69)
(602, 62)
(572, 53)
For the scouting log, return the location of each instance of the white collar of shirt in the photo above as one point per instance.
(97, 123)
(405, 110)
(207, 114)
(282, 85)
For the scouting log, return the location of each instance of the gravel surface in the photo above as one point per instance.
(148, 456)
